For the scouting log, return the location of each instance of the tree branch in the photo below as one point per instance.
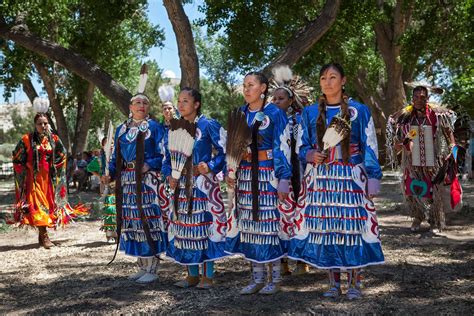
(74, 62)
(401, 18)
(304, 39)
(188, 59)
(29, 90)
(62, 129)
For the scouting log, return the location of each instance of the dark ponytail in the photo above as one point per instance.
(196, 96)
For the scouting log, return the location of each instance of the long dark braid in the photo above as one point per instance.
(254, 145)
(139, 163)
(189, 166)
(295, 178)
(34, 147)
(321, 121)
(52, 162)
(118, 196)
(346, 142)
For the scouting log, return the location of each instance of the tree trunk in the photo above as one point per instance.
(70, 60)
(374, 101)
(304, 39)
(188, 59)
(61, 125)
(83, 118)
(388, 33)
(29, 90)
(391, 96)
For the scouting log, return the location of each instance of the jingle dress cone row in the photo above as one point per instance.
(262, 233)
(133, 239)
(336, 225)
(197, 231)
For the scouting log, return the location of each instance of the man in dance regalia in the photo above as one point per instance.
(423, 133)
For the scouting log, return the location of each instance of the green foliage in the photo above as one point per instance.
(115, 34)
(255, 31)
(7, 148)
(459, 58)
(217, 101)
(437, 43)
(215, 58)
(153, 84)
(350, 42)
(22, 125)
(219, 90)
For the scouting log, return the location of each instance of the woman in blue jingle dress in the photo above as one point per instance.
(258, 228)
(197, 233)
(137, 159)
(336, 226)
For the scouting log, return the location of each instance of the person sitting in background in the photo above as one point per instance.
(80, 174)
(70, 167)
(93, 168)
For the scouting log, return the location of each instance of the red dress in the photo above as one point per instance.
(40, 182)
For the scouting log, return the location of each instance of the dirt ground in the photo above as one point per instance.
(424, 274)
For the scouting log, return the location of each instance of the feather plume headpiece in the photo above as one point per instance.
(426, 85)
(166, 93)
(337, 130)
(180, 144)
(283, 78)
(41, 105)
(141, 84)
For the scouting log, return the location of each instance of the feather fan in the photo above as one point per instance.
(239, 136)
(337, 130)
(180, 144)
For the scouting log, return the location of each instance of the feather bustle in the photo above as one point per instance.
(239, 137)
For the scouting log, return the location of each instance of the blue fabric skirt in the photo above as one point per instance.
(336, 225)
(133, 240)
(262, 240)
(200, 236)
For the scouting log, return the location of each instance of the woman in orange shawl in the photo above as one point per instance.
(39, 162)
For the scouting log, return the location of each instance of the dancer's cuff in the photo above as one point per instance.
(284, 186)
(373, 187)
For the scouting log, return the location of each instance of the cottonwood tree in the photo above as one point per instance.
(91, 42)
